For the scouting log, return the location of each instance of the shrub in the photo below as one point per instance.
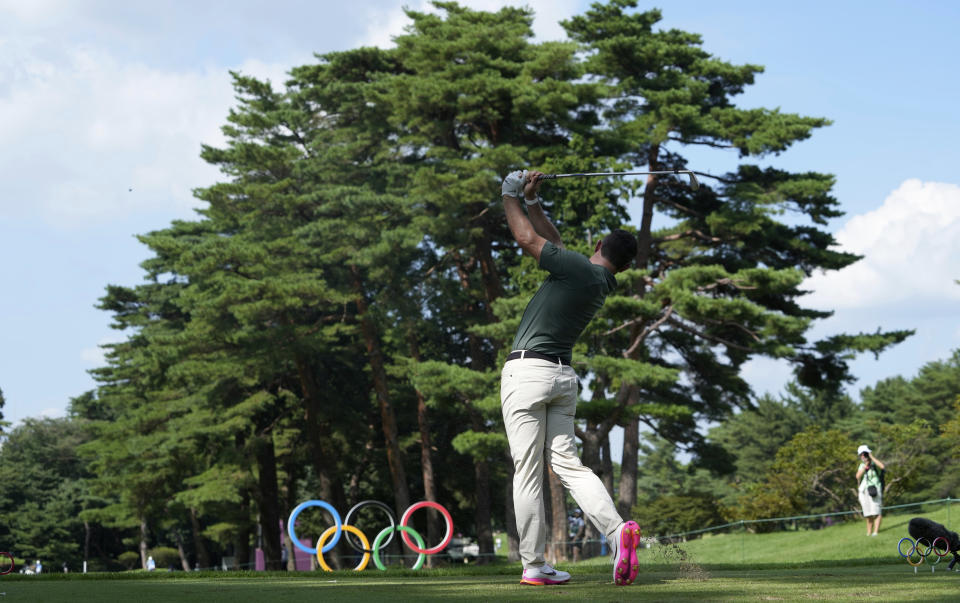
(129, 559)
(164, 556)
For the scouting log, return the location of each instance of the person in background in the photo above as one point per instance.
(577, 530)
(869, 490)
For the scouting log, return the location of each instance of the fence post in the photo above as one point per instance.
(743, 531)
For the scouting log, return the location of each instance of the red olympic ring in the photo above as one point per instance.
(446, 517)
(12, 563)
(936, 551)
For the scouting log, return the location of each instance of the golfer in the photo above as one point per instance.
(539, 389)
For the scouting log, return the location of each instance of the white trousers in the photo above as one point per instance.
(539, 400)
(870, 505)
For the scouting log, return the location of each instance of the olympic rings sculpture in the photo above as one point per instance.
(12, 563)
(333, 533)
(924, 550)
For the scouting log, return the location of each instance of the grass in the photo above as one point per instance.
(839, 562)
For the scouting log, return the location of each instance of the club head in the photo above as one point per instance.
(694, 183)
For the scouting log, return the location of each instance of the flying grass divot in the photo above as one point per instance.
(671, 553)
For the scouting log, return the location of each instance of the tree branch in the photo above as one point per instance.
(725, 281)
(646, 331)
(680, 324)
(694, 233)
(707, 143)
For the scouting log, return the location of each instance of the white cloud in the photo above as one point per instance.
(911, 249)
(766, 375)
(83, 127)
(53, 413)
(94, 357)
(35, 11)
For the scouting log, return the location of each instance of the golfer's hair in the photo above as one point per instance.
(619, 248)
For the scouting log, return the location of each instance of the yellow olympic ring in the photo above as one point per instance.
(916, 549)
(346, 528)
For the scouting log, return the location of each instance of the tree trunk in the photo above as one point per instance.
(244, 533)
(290, 498)
(628, 469)
(268, 501)
(203, 557)
(426, 457)
(558, 517)
(331, 487)
(645, 235)
(492, 284)
(606, 463)
(483, 512)
(87, 535)
(184, 562)
(590, 438)
(388, 418)
(143, 542)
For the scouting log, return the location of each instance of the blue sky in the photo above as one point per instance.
(104, 105)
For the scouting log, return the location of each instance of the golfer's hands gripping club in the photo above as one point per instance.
(523, 185)
(532, 187)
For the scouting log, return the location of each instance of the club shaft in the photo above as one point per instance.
(587, 174)
(693, 179)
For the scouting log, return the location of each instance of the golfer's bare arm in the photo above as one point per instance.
(521, 227)
(543, 225)
(532, 229)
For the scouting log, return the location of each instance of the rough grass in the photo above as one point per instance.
(839, 562)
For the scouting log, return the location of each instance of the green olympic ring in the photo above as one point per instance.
(383, 534)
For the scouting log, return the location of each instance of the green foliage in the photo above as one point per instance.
(129, 559)
(811, 473)
(673, 514)
(45, 489)
(165, 556)
(950, 431)
(3, 424)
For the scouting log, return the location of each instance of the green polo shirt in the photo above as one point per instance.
(565, 303)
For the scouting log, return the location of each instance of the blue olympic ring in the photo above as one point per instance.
(336, 520)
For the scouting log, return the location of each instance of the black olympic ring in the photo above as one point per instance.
(356, 508)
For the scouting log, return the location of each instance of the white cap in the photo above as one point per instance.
(863, 448)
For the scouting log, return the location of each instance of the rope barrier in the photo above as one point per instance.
(743, 522)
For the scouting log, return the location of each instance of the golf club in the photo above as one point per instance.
(694, 183)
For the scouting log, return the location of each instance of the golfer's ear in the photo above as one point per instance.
(598, 246)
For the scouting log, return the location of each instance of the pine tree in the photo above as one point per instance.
(719, 282)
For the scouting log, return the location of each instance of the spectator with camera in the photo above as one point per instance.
(870, 491)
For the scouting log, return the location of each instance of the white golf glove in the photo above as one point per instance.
(513, 184)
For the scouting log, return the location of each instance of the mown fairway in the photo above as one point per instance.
(886, 583)
(829, 564)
